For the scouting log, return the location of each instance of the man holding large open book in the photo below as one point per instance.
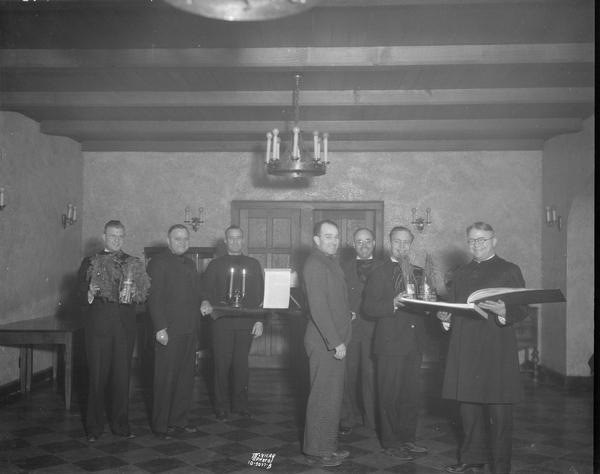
(482, 368)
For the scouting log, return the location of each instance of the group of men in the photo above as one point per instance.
(177, 296)
(360, 330)
(364, 347)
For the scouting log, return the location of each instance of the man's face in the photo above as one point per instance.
(481, 244)
(400, 242)
(113, 238)
(328, 239)
(234, 239)
(363, 244)
(179, 241)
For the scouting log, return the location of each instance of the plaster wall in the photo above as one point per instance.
(568, 256)
(40, 174)
(149, 191)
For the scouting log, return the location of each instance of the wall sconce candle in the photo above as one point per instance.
(70, 217)
(194, 221)
(552, 217)
(2, 203)
(419, 222)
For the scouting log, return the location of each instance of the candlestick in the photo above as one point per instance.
(74, 215)
(316, 145)
(243, 282)
(553, 215)
(188, 213)
(275, 144)
(325, 137)
(1, 198)
(295, 151)
(268, 154)
(548, 215)
(231, 282)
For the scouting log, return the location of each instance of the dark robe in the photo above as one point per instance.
(482, 364)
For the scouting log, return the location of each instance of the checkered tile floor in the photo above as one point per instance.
(553, 434)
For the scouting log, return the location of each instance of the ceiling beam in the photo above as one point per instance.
(405, 129)
(294, 58)
(335, 146)
(557, 95)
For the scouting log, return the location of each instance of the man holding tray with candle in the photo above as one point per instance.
(482, 367)
(237, 281)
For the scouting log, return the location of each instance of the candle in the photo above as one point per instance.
(325, 137)
(231, 282)
(277, 148)
(316, 145)
(275, 144)
(1, 197)
(548, 215)
(200, 216)
(243, 282)
(74, 213)
(295, 151)
(318, 150)
(70, 211)
(268, 154)
(187, 214)
(553, 215)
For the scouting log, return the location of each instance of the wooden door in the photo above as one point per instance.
(272, 235)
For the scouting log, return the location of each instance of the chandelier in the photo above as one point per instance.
(295, 162)
(244, 10)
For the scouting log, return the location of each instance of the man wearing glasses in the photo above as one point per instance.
(482, 367)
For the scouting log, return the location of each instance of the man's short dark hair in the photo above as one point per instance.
(318, 225)
(115, 224)
(401, 228)
(177, 226)
(361, 229)
(479, 225)
(233, 227)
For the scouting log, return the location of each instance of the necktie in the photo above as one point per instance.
(397, 278)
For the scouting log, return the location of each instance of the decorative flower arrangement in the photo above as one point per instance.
(109, 271)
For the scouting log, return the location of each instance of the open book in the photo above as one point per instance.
(470, 308)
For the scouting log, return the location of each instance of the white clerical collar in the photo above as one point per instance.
(485, 259)
(394, 260)
(370, 258)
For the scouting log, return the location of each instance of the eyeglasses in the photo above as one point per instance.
(479, 241)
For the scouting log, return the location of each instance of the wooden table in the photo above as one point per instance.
(42, 331)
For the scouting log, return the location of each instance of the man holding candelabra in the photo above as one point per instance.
(398, 346)
(234, 280)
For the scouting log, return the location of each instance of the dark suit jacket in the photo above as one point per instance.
(175, 293)
(397, 332)
(355, 296)
(327, 298)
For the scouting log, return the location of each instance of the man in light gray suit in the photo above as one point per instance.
(327, 334)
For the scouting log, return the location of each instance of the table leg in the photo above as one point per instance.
(68, 369)
(22, 368)
(29, 368)
(55, 367)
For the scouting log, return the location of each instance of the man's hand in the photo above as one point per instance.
(257, 329)
(340, 351)
(496, 307)
(205, 308)
(162, 337)
(445, 317)
(397, 302)
(92, 291)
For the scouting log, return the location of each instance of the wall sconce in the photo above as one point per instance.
(420, 222)
(552, 218)
(70, 217)
(193, 221)
(2, 203)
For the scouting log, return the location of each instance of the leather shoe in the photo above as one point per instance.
(222, 416)
(92, 438)
(399, 454)
(324, 461)
(244, 414)
(345, 430)
(163, 436)
(342, 453)
(414, 448)
(462, 467)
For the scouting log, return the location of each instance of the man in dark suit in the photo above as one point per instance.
(110, 329)
(174, 304)
(398, 346)
(232, 334)
(360, 369)
(327, 334)
(482, 367)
